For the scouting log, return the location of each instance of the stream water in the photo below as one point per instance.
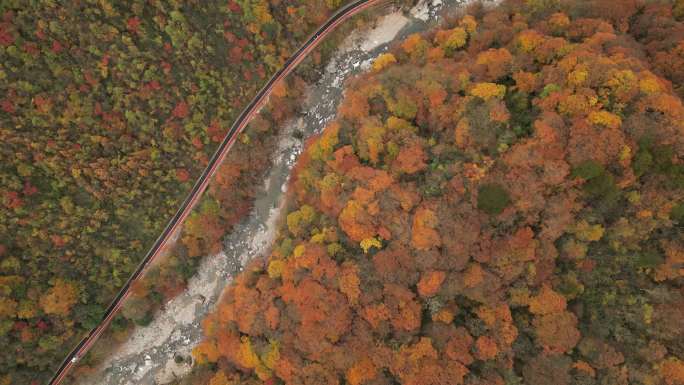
(153, 353)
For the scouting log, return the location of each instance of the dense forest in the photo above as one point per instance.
(499, 201)
(109, 110)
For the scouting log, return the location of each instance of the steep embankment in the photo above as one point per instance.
(150, 354)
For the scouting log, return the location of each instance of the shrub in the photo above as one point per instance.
(492, 199)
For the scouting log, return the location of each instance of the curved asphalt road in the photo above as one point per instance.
(252, 108)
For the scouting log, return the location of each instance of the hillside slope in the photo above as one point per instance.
(500, 201)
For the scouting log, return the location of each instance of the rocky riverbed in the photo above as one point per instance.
(160, 352)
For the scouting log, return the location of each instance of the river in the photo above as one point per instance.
(152, 355)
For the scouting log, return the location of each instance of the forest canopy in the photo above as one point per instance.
(109, 110)
(499, 201)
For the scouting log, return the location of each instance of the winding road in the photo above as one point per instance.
(200, 186)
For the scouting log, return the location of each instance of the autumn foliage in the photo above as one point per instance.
(109, 111)
(497, 202)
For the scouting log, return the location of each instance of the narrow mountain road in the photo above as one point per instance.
(159, 352)
(252, 108)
